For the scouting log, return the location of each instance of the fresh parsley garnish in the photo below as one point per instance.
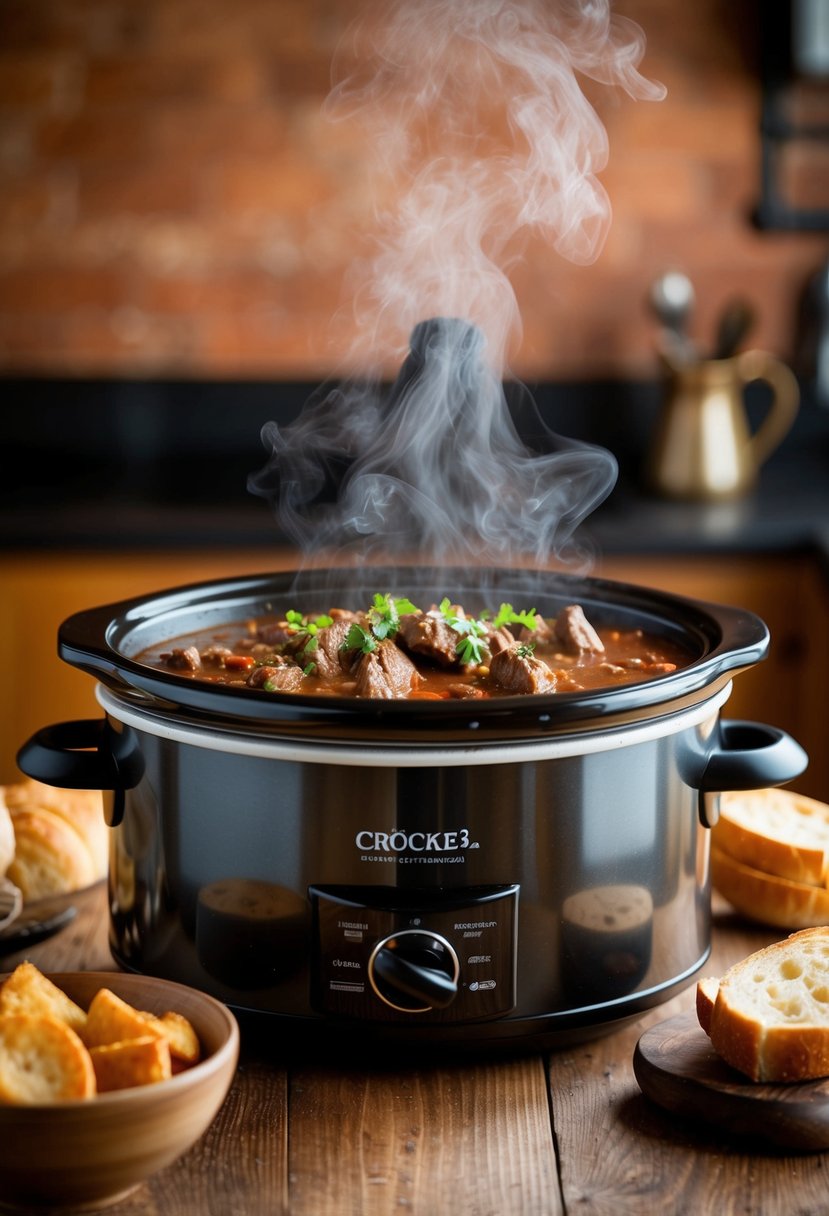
(525, 650)
(472, 647)
(385, 613)
(506, 615)
(360, 639)
(383, 619)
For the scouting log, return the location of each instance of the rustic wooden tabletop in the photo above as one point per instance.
(538, 1134)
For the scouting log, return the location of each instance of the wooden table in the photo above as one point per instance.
(535, 1135)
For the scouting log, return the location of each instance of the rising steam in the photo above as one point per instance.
(477, 128)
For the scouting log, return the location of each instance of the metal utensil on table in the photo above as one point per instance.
(672, 298)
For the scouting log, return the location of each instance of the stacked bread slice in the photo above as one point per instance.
(770, 857)
(768, 1016)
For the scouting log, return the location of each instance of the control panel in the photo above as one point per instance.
(385, 954)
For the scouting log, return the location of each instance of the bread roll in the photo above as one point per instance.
(60, 838)
(777, 831)
(768, 1016)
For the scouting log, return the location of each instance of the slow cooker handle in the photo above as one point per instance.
(746, 756)
(86, 754)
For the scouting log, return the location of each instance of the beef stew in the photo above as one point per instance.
(395, 650)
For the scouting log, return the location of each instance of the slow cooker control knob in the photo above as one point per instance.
(414, 971)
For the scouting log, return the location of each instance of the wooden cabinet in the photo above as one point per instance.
(788, 689)
(38, 591)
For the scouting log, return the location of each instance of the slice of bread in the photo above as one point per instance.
(707, 990)
(766, 897)
(768, 1016)
(778, 831)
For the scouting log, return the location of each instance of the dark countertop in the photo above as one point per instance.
(102, 465)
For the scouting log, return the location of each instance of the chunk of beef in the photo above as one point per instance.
(274, 633)
(215, 656)
(344, 614)
(517, 671)
(386, 673)
(280, 635)
(542, 633)
(328, 655)
(575, 633)
(427, 634)
(465, 692)
(499, 639)
(188, 659)
(261, 653)
(279, 677)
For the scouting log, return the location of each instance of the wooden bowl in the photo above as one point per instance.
(86, 1154)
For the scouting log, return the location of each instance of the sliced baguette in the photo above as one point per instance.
(778, 831)
(768, 1016)
(707, 990)
(766, 897)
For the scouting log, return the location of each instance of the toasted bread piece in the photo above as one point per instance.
(777, 831)
(111, 1019)
(28, 990)
(767, 898)
(131, 1062)
(179, 1033)
(768, 1016)
(42, 1060)
(707, 990)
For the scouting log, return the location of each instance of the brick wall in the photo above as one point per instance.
(174, 202)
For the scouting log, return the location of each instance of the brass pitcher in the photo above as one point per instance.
(703, 447)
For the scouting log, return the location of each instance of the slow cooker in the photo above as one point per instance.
(455, 873)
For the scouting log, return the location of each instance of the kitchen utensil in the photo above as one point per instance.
(734, 326)
(678, 1069)
(672, 299)
(76, 1155)
(702, 447)
(427, 872)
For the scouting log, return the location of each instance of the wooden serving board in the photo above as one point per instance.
(678, 1069)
